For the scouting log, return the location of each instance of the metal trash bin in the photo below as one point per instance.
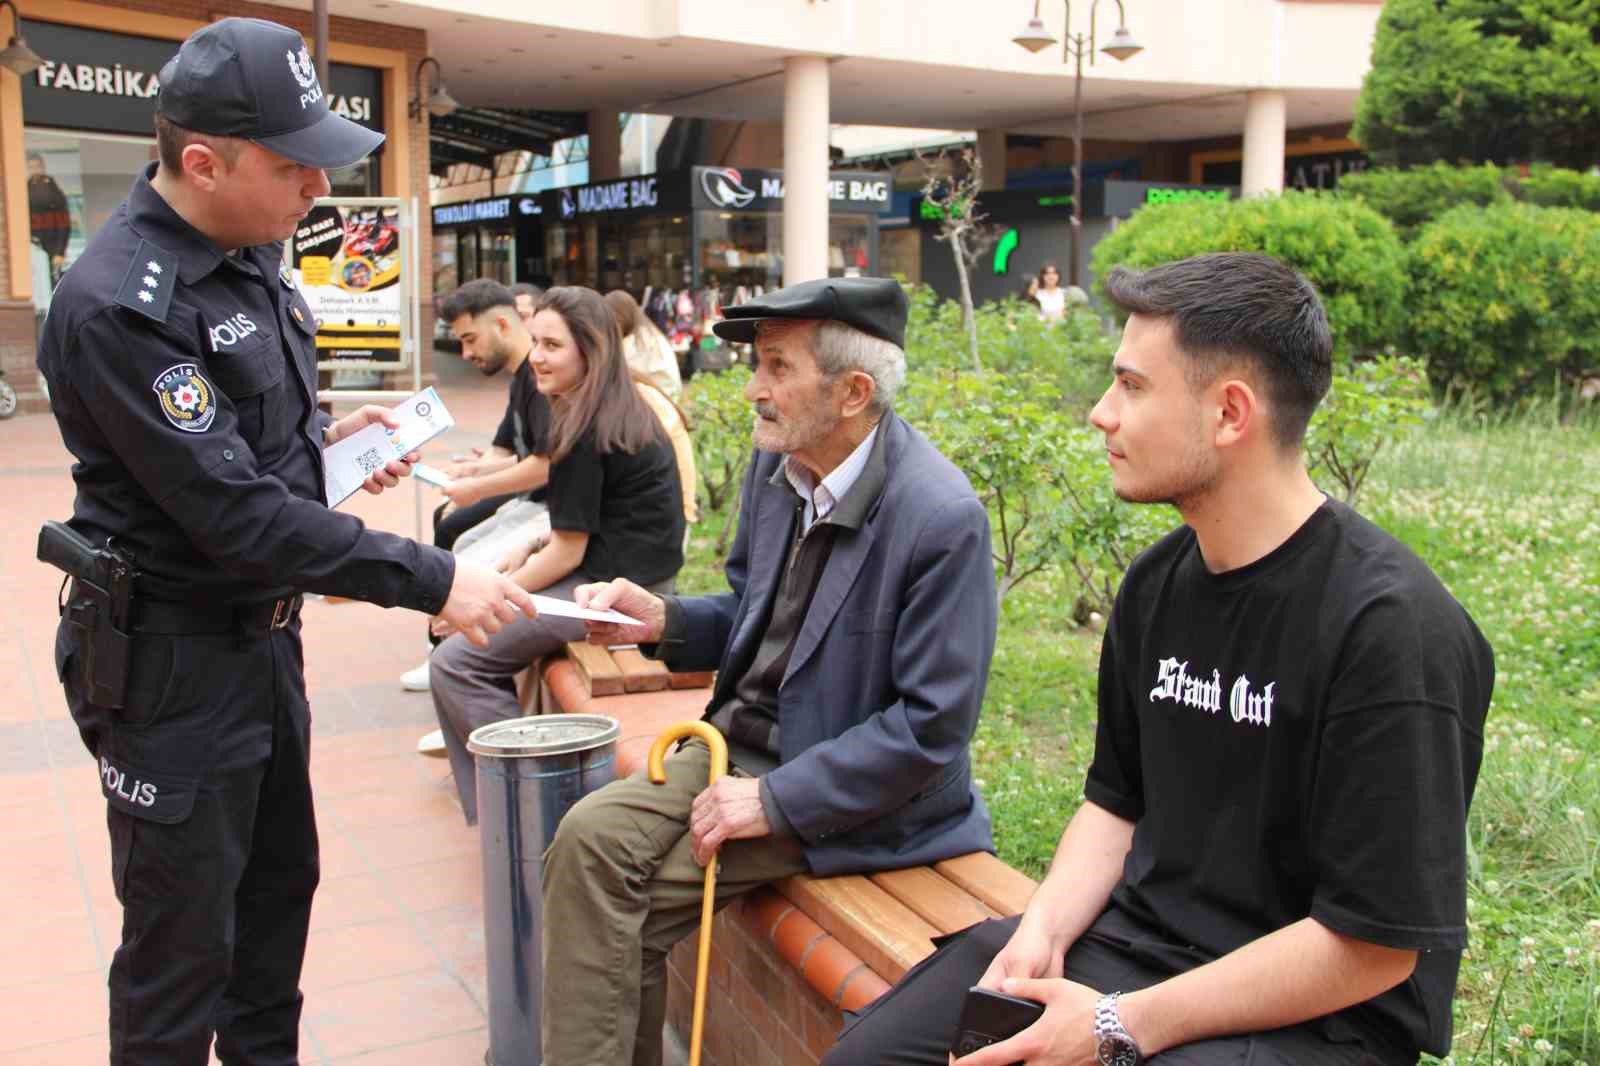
(530, 773)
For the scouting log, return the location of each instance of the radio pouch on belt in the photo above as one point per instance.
(99, 605)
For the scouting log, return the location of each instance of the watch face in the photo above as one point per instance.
(1115, 1050)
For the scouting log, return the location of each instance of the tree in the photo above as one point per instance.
(952, 185)
(1503, 81)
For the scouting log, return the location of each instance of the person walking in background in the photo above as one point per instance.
(49, 217)
(615, 511)
(647, 351)
(1046, 291)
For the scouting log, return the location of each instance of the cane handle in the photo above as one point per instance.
(705, 731)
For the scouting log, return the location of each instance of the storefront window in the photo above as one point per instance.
(75, 182)
(358, 180)
(900, 253)
(745, 249)
(497, 257)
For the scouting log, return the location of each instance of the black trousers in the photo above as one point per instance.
(914, 1023)
(213, 845)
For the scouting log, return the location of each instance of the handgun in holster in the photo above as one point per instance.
(99, 604)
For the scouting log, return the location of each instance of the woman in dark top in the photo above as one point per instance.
(615, 511)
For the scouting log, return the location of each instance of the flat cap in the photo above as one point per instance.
(872, 305)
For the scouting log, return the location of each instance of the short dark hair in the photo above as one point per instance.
(172, 139)
(476, 297)
(1232, 307)
(523, 288)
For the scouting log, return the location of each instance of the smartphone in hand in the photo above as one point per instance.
(990, 1017)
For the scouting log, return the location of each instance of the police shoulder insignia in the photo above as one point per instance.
(147, 287)
(187, 399)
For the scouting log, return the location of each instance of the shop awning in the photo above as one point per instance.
(478, 134)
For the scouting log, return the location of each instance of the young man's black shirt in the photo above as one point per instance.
(1298, 738)
(525, 428)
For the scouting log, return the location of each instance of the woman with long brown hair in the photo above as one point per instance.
(615, 511)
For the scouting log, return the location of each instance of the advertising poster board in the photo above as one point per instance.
(349, 257)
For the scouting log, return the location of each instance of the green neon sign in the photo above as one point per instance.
(1002, 251)
(1168, 196)
(1064, 200)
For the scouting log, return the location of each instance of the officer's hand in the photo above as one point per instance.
(482, 602)
(622, 595)
(357, 420)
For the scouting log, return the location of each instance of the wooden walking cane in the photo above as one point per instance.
(658, 775)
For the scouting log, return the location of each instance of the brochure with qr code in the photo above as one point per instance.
(350, 462)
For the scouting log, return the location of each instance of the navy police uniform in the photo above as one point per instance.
(184, 381)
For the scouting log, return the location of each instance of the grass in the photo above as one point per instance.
(1507, 512)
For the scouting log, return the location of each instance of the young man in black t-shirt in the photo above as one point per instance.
(1270, 863)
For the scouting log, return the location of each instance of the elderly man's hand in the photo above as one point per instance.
(728, 810)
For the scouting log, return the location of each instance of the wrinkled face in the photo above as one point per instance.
(483, 339)
(263, 195)
(1153, 420)
(558, 365)
(796, 406)
(525, 309)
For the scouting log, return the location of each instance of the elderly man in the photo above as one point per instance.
(853, 651)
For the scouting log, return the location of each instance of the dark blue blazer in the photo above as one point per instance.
(881, 696)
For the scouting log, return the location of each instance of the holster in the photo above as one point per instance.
(99, 604)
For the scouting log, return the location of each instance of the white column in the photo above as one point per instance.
(605, 146)
(805, 168)
(992, 158)
(1265, 118)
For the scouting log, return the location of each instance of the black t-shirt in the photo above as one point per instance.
(524, 430)
(1298, 737)
(630, 505)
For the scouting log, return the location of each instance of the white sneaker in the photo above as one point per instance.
(432, 745)
(415, 680)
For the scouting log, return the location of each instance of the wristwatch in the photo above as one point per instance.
(1113, 1046)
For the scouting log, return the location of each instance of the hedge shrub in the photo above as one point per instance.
(1505, 300)
(1349, 251)
(1412, 198)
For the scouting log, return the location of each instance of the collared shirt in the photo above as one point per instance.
(184, 381)
(821, 497)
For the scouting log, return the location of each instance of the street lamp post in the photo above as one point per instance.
(1035, 38)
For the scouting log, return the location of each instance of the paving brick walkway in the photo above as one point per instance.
(394, 971)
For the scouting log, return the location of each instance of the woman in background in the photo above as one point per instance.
(616, 510)
(648, 352)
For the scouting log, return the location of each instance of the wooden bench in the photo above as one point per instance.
(787, 959)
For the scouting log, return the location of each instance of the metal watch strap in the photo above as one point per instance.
(1114, 1045)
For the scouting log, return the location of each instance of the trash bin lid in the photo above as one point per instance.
(545, 734)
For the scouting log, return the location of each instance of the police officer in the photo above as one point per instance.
(182, 371)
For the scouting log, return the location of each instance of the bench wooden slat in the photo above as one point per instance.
(638, 673)
(886, 934)
(596, 668)
(939, 902)
(1001, 888)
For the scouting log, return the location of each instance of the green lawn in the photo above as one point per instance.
(1509, 516)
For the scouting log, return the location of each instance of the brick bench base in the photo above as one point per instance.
(788, 959)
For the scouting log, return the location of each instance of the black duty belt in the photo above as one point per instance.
(174, 619)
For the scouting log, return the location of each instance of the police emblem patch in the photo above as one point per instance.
(187, 399)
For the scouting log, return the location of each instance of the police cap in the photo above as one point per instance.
(254, 79)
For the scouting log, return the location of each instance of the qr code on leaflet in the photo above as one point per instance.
(370, 462)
